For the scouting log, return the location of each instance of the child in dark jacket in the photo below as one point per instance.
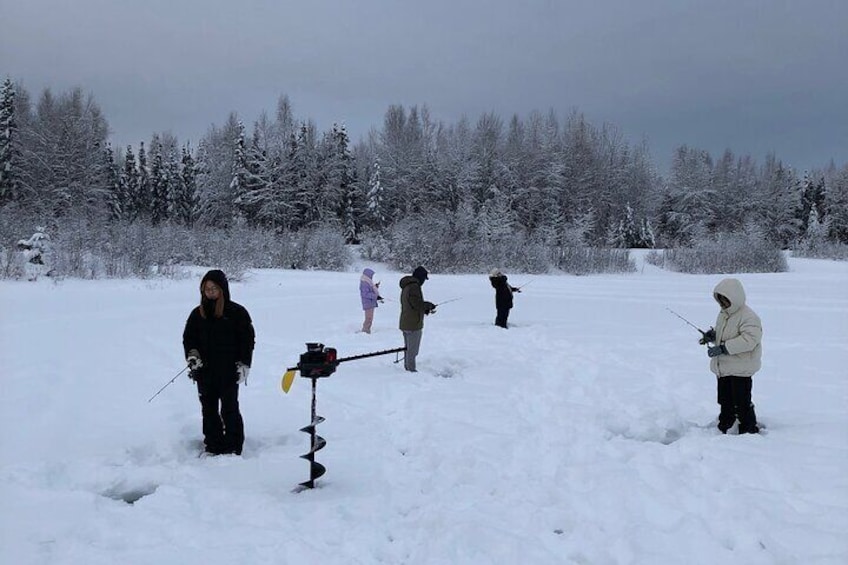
(503, 296)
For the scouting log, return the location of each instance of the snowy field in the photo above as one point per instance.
(583, 434)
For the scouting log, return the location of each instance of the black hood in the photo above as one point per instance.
(420, 273)
(498, 281)
(218, 277)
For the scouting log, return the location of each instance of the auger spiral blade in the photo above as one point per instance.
(316, 443)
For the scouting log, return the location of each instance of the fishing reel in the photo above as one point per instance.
(318, 361)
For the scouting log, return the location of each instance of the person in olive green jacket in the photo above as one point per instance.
(736, 355)
(413, 308)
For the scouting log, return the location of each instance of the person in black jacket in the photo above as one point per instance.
(218, 343)
(503, 296)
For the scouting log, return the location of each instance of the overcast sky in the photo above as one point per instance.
(751, 76)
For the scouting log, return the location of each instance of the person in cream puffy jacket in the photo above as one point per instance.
(735, 356)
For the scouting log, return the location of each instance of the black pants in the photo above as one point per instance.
(734, 397)
(223, 427)
(500, 319)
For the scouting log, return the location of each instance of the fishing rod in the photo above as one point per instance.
(168, 383)
(525, 284)
(448, 301)
(703, 333)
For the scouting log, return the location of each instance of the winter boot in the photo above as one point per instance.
(748, 421)
(726, 418)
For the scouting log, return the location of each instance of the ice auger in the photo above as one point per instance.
(318, 362)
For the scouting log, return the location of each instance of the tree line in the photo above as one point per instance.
(542, 179)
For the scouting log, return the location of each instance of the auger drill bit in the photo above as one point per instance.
(316, 443)
(319, 362)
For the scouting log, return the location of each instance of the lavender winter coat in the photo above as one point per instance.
(367, 290)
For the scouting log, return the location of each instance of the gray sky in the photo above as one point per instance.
(750, 75)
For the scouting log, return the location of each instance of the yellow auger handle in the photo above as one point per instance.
(288, 379)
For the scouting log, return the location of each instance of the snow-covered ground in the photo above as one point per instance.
(583, 434)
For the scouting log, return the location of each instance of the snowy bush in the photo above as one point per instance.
(320, 248)
(516, 253)
(816, 245)
(452, 243)
(591, 260)
(448, 244)
(724, 254)
(373, 246)
(88, 249)
(12, 264)
(26, 257)
(34, 253)
(823, 250)
(655, 257)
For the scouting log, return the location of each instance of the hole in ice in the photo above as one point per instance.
(130, 495)
(662, 436)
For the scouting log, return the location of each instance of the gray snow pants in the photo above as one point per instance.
(412, 341)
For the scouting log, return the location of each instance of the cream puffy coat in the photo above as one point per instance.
(739, 329)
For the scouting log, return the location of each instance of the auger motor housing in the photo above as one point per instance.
(318, 361)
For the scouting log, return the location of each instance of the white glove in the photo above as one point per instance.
(242, 370)
(193, 360)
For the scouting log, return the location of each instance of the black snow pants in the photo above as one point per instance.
(734, 397)
(223, 427)
(500, 319)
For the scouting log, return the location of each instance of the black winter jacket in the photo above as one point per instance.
(221, 342)
(503, 292)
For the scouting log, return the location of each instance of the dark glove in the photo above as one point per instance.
(379, 299)
(716, 350)
(708, 337)
(429, 308)
(515, 289)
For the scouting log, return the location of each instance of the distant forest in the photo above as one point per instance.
(518, 192)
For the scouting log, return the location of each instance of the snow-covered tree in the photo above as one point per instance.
(375, 199)
(158, 182)
(143, 199)
(34, 250)
(186, 201)
(9, 145)
(779, 204)
(216, 162)
(688, 210)
(117, 195)
(836, 203)
(129, 180)
(63, 155)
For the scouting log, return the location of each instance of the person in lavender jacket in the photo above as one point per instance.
(369, 291)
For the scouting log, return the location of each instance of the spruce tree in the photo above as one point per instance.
(374, 200)
(9, 158)
(158, 183)
(186, 201)
(238, 186)
(116, 195)
(130, 182)
(143, 198)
